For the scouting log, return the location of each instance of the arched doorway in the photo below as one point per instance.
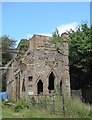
(40, 87)
(51, 82)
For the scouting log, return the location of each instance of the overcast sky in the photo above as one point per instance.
(23, 19)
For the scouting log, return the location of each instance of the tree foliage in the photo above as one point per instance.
(56, 38)
(23, 45)
(7, 43)
(80, 55)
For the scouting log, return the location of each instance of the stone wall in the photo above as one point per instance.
(40, 64)
(38, 40)
(41, 69)
(66, 76)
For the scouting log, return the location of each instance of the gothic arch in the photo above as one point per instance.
(53, 73)
(51, 82)
(39, 78)
(39, 87)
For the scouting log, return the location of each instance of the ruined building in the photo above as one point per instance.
(40, 70)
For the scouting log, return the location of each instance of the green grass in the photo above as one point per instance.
(0, 110)
(27, 113)
(73, 109)
(76, 109)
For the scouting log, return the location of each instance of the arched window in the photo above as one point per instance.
(40, 87)
(51, 82)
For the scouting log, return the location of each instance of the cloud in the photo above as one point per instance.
(66, 27)
(62, 28)
(29, 36)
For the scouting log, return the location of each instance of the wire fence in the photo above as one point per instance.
(54, 104)
(57, 104)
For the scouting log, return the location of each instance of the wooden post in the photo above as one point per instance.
(53, 104)
(45, 102)
(62, 105)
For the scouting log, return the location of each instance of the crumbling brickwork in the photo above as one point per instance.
(40, 70)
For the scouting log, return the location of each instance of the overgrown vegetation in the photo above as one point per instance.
(20, 105)
(76, 109)
(21, 109)
(80, 57)
(23, 45)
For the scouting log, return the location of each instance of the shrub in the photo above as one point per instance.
(20, 105)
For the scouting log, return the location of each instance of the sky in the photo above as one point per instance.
(23, 19)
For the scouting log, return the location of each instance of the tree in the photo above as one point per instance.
(7, 43)
(80, 57)
(23, 45)
(56, 38)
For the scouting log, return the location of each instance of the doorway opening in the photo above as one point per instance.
(51, 82)
(40, 87)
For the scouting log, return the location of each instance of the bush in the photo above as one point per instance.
(20, 105)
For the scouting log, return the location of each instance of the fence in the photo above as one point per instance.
(53, 103)
(58, 105)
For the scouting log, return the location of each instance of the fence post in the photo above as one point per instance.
(53, 104)
(45, 102)
(62, 105)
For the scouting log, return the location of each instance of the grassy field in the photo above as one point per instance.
(73, 109)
